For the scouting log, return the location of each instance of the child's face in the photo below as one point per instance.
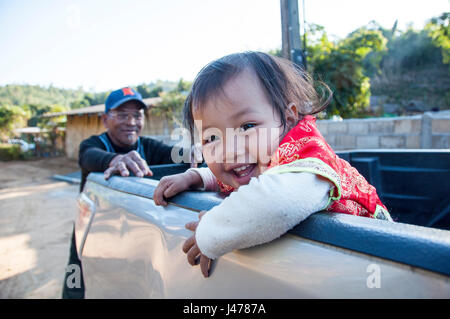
(240, 130)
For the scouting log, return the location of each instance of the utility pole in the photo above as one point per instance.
(291, 47)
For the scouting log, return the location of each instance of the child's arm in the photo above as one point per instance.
(194, 178)
(261, 211)
(208, 178)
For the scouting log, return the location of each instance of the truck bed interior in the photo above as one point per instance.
(414, 185)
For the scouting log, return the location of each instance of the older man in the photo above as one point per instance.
(120, 150)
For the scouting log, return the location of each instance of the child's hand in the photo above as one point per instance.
(171, 185)
(191, 249)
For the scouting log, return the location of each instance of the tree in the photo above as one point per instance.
(51, 124)
(340, 65)
(18, 95)
(171, 106)
(60, 121)
(149, 90)
(11, 117)
(439, 30)
(183, 86)
(275, 52)
(79, 104)
(410, 50)
(172, 102)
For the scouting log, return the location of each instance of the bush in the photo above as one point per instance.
(341, 66)
(10, 152)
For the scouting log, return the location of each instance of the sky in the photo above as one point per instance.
(101, 45)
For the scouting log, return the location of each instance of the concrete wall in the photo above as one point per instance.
(429, 130)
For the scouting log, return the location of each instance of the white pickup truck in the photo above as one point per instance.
(131, 248)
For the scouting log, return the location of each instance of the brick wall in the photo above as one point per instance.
(429, 130)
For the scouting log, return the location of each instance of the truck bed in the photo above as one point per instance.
(131, 248)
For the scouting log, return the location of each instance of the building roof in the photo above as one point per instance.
(98, 109)
(30, 130)
(35, 130)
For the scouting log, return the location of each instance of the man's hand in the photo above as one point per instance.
(173, 184)
(122, 164)
(191, 249)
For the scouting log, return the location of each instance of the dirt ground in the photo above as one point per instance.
(36, 220)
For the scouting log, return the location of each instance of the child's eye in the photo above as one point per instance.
(247, 126)
(210, 139)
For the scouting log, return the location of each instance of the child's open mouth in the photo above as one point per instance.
(243, 174)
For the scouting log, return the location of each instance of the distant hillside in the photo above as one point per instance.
(37, 95)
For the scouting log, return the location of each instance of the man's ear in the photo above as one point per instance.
(292, 115)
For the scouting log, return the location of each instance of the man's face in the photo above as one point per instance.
(124, 123)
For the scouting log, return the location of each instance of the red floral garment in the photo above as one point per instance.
(304, 149)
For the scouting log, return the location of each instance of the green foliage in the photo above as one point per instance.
(10, 152)
(172, 102)
(341, 66)
(36, 112)
(89, 99)
(183, 86)
(275, 52)
(37, 95)
(11, 117)
(439, 30)
(51, 122)
(23, 105)
(412, 50)
(148, 90)
(413, 67)
(171, 105)
(400, 65)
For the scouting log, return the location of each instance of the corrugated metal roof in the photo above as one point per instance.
(98, 109)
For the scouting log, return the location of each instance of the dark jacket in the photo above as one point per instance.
(94, 157)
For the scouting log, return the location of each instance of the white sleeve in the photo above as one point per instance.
(261, 211)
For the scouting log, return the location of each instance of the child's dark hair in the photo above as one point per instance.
(283, 81)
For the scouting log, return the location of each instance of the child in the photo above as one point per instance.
(276, 165)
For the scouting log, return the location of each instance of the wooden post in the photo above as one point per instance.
(290, 33)
(285, 47)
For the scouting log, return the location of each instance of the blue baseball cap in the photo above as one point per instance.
(118, 97)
